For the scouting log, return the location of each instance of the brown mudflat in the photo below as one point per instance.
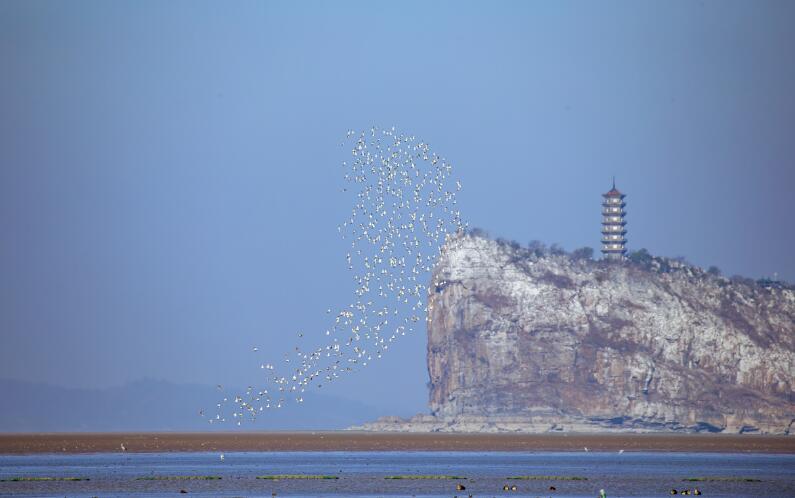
(370, 441)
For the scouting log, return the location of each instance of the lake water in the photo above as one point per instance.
(362, 474)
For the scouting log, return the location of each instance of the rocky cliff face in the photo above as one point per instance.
(524, 342)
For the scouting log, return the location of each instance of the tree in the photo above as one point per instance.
(582, 253)
(479, 232)
(739, 279)
(557, 250)
(641, 257)
(714, 271)
(682, 260)
(537, 247)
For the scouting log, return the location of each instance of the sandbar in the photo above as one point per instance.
(19, 443)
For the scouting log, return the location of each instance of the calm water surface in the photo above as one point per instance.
(362, 474)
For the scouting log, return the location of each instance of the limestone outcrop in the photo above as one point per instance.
(524, 341)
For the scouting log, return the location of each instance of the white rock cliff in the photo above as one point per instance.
(522, 342)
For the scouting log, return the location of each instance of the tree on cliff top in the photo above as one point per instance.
(582, 253)
(479, 232)
(537, 247)
(641, 257)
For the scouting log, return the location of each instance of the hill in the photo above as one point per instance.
(527, 340)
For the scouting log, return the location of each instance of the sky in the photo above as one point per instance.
(170, 171)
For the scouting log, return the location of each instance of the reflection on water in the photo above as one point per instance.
(362, 474)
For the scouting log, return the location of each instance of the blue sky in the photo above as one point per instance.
(169, 171)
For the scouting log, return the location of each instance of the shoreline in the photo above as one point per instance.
(157, 442)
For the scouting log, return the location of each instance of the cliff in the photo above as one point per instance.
(524, 341)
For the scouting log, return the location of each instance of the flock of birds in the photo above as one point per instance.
(404, 209)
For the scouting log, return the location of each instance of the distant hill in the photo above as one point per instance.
(154, 405)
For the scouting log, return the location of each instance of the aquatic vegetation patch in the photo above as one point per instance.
(178, 478)
(548, 478)
(296, 476)
(34, 479)
(722, 479)
(424, 477)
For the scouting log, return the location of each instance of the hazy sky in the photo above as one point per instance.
(169, 171)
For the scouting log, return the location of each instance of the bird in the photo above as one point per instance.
(222, 457)
(586, 449)
(123, 448)
(620, 452)
(460, 487)
(403, 210)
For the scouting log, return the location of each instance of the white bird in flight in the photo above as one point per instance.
(403, 205)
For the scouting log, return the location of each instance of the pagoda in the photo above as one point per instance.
(613, 231)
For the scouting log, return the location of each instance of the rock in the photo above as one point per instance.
(519, 342)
